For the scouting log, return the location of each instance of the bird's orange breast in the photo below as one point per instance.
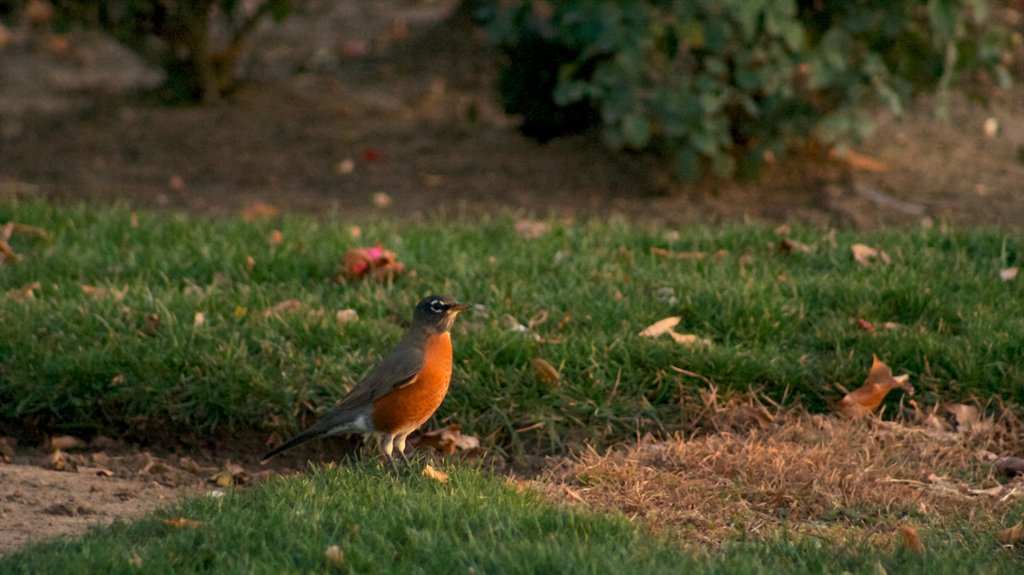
(408, 407)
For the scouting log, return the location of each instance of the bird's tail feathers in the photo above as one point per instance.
(308, 435)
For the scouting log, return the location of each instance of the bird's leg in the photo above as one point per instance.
(400, 444)
(388, 447)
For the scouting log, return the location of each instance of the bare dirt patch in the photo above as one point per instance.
(844, 480)
(46, 493)
(351, 99)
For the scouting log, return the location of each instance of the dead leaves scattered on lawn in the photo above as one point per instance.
(435, 474)
(545, 372)
(447, 440)
(376, 262)
(867, 255)
(1011, 535)
(7, 253)
(867, 398)
(667, 326)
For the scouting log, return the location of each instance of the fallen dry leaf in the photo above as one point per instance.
(199, 319)
(58, 462)
(101, 292)
(661, 327)
(1010, 466)
(1011, 535)
(346, 166)
(275, 238)
(435, 474)
(660, 252)
(25, 291)
(666, 325)
(381, 200)
(911, 539)
(967, 416)
(858, 161)
(260, 210)
(865, 255)
(872, 327)
(181, 522)
(135, 560)
(689, 339)
(447, 440)
(545, 371)
(347, 315)
(281, 307)
(65, 442)
(531, 229)
(1008, 274)
(359, 262)
(334, 555)
(865, 399)
(791, 246)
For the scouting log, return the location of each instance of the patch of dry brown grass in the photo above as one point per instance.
(752, 469)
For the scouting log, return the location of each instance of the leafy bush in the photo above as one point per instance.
(718, 84)
(196, 42)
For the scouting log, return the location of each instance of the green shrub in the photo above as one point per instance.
(718, 84)
(178, 36)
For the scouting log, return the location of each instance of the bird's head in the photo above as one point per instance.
(437, 313)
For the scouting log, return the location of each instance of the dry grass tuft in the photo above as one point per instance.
(759, 469)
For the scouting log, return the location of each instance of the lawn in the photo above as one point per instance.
(156, 326)
(160, 325)
(385, 521)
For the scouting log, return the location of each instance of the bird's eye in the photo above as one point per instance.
(436, 306)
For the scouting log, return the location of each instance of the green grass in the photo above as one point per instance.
(386, 522)
(782, 323)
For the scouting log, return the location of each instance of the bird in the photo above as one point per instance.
(401, 392)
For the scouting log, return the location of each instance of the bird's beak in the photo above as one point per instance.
(456, 308)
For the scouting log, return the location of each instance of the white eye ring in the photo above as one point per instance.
(436, 306)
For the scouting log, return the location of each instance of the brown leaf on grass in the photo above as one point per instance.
(545, 371)
(1008, 274)
(874, 327)
(25, 291)
(531, 229)
(102, 292)
(199, 319)
(260, 210)
(967, 416)
(135, 560)
(151, 324)
(382, 264)
(661, 327)
(448, 440)
(911, 539)
(867, 398)
(381, 200)
(1011, 535)
(667, 325)
(791, 246)
(281, 307)
(275, 238)
(660, 252)
(866, 255)
(334, 555)
(346, 315)
(435, 474)
(7, 255)
(1010, 466)
(182, 522)
(64, 442)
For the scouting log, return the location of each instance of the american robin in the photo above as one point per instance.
(402, 391)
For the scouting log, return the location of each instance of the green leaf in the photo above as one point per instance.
(944, 16)
(687, 164)
(636, 130)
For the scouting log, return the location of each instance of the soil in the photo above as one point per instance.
(350, 100)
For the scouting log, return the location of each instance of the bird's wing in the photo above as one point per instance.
(398, 368)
